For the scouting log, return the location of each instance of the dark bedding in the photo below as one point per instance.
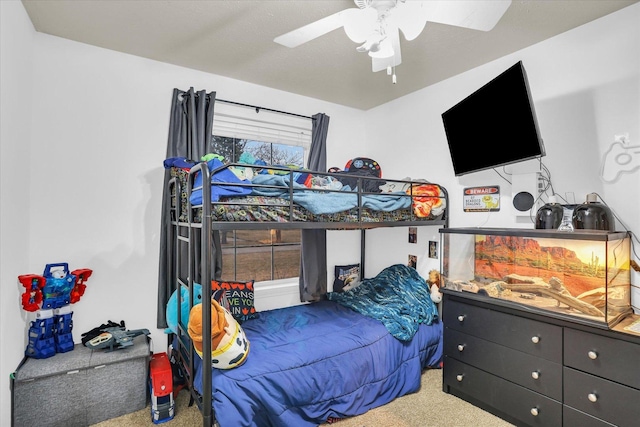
(311, 362)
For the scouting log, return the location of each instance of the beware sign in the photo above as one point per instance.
(481, 199)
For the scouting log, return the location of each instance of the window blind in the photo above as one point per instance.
(235, 121)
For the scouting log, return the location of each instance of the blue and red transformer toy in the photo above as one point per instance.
(161, 388)
(50, 296)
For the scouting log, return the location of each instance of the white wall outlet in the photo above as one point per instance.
(622, 138)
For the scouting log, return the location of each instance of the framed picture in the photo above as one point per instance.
(433, 249)
(413, 234)
(413, 261)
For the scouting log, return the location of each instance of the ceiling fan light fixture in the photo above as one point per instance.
(360, 23)
(410, 17)
(384, 50)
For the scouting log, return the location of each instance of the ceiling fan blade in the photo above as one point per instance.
(379, 64)
(480, 15)
(316, 29)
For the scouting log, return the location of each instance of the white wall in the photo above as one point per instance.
(16, 45)
(84, 134)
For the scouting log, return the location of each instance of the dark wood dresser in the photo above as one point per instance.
(533, 369)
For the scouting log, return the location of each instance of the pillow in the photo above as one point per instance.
(395, 187)
(237, 297)
(347, 277)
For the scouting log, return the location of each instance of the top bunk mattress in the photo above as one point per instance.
(285, 196)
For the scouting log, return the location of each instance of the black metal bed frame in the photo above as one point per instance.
(182, 233)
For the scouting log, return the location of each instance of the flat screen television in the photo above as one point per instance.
(494, 126)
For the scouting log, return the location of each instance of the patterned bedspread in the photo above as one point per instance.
(398, 296)
(270, 205)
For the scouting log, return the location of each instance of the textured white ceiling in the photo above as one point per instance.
(235, 39)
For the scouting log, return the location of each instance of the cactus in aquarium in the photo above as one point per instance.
(594, 265)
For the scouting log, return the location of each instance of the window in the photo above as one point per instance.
(276, 139)
(271, 153)
(259, 254)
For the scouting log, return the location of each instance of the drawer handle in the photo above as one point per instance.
(592, 397)
(535, 375)
(459, 377)
(535, 411)
(461, 318)
(535, 339)
(460, 347)
(592, 355)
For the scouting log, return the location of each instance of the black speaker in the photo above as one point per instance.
(524, 190)
(523, 201)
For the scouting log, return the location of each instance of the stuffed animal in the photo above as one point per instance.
(172, 307)
(434, 286)
(229, 345)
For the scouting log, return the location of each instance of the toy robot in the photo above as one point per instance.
(50, 296)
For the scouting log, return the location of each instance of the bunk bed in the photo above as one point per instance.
(314, 362)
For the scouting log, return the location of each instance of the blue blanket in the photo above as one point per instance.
(222, 176)
(315, 361)
(398, 297)
(318, 202)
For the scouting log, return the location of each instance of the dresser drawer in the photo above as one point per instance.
(526, 335)
(526, 406)
(535, 373)
(602, 356)
(573, 417)
(607, 400)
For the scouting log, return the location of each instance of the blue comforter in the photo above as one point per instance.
(398, 297)
(318, 202)
(311, 362)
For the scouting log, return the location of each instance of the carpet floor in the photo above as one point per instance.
(429, 407)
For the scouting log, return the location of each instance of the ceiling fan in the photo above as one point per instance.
(377, 23)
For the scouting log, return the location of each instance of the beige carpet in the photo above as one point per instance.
(426, 408)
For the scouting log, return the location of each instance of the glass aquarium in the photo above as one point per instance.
(582, 274)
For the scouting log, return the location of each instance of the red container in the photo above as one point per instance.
(160, 375)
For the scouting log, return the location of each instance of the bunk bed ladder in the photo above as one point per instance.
(185, 232)
(204, 232)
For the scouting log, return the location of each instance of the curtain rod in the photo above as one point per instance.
(263, 108)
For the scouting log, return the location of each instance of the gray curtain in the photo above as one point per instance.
(190, 126)
(313, 265)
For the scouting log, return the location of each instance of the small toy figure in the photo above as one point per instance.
(50, 296)
(434, 286)
(115, 338)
